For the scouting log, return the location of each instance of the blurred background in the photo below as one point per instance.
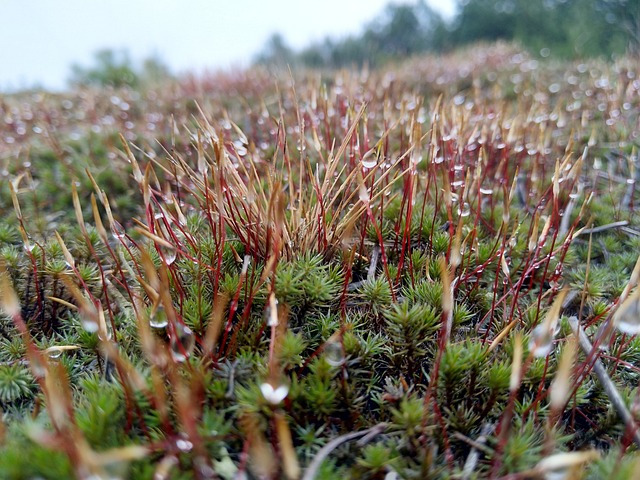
(55, 45)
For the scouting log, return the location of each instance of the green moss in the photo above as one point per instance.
(358, 340)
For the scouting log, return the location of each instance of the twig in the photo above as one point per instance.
(375, 254)
(232, 377)
(602, 228)
(312, 469)
(355, 285)
(474, 455)
(566, 218)
(630, 231)
(605, 380)
(374, 431)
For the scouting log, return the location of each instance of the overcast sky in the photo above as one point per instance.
(40, 39)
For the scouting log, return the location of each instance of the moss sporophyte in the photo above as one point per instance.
(428, 270)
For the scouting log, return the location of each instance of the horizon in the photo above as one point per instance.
(44, 49)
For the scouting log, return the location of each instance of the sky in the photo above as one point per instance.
(41, 39)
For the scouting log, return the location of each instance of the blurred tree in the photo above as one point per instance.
(483, 20)
(568, 28)
(154, 70)
(115, 69)
(400, 31)
(110, 68)
(276, 52)
(624, 16)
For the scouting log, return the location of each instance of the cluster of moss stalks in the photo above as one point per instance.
(364, 275)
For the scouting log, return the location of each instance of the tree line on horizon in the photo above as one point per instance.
(561, 28)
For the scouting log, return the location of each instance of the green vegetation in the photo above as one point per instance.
(356, 274)
(557, 28)
(115, 69)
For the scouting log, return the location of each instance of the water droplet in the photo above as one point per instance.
(541, 342)
(99, 476)
(89, 324)
(438, 160)
(486, 191)
(117, 231)
(369, 161)
(184, 445)
(168, 255)
(464, 210)
(158, 319)
(334, 353)
(54, 352)
(240, 148)
(182, 343)
(28, 246)
(271, 311)
(457, 184)
(274, 395)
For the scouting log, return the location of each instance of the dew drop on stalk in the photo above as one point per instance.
(271, 311)
(89, 324)
(98, 476)
(464, 210)
(28, 246)
(334, 353)
(158, 319)
(486, 191)
(184, 445)
(240, 148)
(54, 353)
(274, 395)
(117, 231)
(368, 161)
(541, 342)
(168, 255)
(182, 343)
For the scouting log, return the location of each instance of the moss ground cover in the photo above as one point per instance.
(372, 274)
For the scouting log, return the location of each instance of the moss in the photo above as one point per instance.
(285, 324)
